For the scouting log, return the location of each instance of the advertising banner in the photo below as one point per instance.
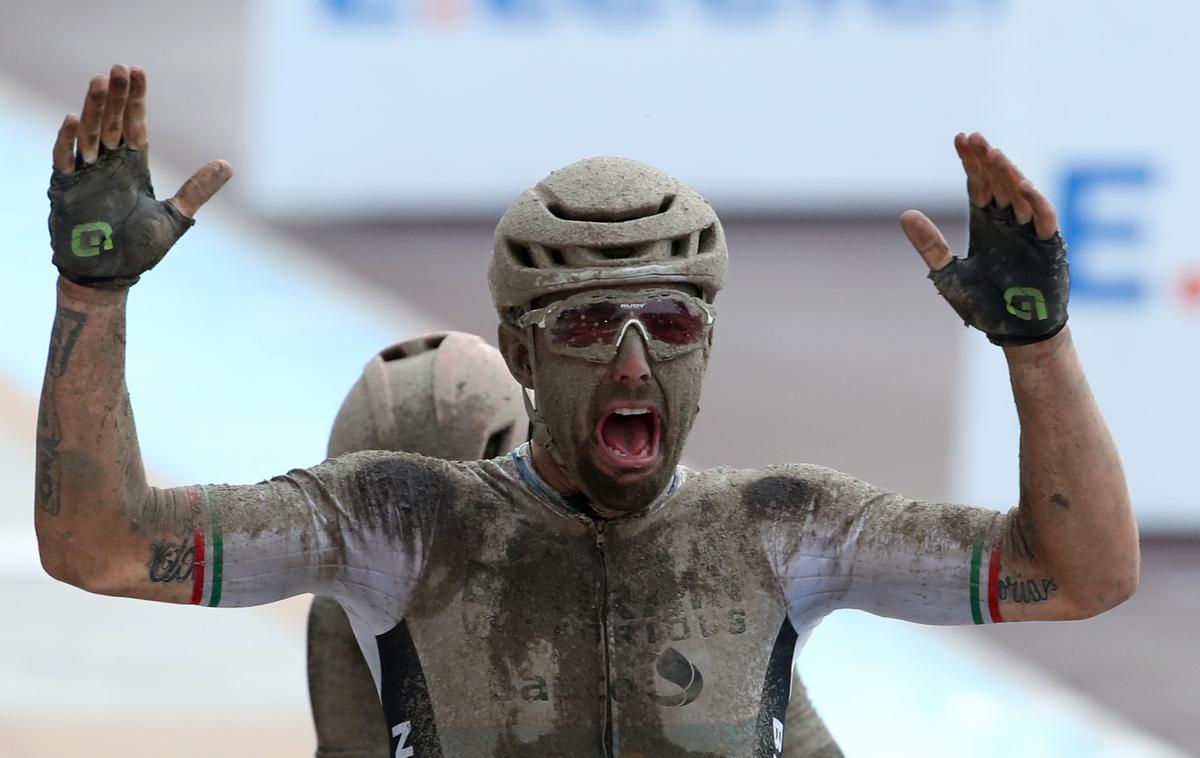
(417, 106)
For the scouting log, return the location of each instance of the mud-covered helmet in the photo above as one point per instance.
(605, 222)
(445, 395)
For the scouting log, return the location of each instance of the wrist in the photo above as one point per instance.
(1036, 353)
(71, 293)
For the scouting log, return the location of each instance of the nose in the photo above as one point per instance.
(631, 365)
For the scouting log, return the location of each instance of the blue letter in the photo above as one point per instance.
(913, 11)
(1082, 230)
(363, 11)
(628, 12)
(743, 10)
(518, 10)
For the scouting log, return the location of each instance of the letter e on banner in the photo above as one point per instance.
(1085, 230)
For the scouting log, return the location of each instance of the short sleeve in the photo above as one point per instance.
(837, 542)
(355, 527)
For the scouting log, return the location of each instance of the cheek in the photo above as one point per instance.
(565, 388)
(681, 380)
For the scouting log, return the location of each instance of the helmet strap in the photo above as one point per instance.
(535, 416)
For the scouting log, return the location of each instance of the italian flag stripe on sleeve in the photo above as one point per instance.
(198, 546)
(994, 585)
(218, 557)
(985, 602)
(209, 550)
(976, 554)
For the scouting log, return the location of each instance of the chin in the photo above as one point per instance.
(623, 489)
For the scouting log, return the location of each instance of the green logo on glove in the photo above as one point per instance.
(87, 240)
(1026, 303)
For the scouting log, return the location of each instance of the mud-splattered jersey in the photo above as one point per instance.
(498, 620)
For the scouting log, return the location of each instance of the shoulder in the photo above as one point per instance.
(781, 491)
(399, 478)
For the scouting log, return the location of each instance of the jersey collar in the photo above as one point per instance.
(522, 459)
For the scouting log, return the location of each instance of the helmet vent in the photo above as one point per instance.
(556, 255)
(521, 255)
(708, 239)
(609, 215)
(411, 348)
(497, 443)
(679, 246)
(617, 253)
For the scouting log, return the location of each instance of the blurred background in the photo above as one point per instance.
(377, 141)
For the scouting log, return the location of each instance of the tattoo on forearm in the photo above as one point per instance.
(49, 435)
(173, 562)
(67, 326)
(1021, 590)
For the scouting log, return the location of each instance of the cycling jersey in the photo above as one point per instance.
(349, 719)
(500, 620)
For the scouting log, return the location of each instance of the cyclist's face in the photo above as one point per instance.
(620, 426)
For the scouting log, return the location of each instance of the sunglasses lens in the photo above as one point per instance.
(675, 322)
(587, 325)
(674, 325)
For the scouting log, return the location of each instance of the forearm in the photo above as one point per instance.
(93, 503)
(1073, 534)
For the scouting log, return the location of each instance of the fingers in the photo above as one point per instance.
(978, 188)
(64, 146)
(989, 160)
(1005, 184)
(114, 107)
(1045, 218)
(202, 185)
(1011, 179)
(925, 237)
(89, 123)
(135, 110)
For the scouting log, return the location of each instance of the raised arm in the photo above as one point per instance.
(99, 525)
(1070, 548)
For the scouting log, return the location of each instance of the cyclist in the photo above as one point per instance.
(447, 394)
(584, 594)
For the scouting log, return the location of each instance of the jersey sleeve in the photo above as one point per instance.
(355, 528)
(837, 542)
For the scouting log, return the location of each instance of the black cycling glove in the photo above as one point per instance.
(1011, 285)
(106, 228)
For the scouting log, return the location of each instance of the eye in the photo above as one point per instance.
(588, 325)
(673, 321)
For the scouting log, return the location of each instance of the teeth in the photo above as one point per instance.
(631, 411)
(622, 454)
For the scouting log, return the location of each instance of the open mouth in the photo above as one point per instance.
(628, 435)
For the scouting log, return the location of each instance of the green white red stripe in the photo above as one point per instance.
(209, 550)
(985, 598)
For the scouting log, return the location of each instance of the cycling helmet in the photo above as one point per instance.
(604, 222)
(446, 395)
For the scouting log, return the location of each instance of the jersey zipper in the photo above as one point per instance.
(598, 528)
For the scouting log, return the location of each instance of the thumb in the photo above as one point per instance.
(202, 185)
(925, 237)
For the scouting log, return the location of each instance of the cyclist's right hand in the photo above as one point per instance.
(106, 228)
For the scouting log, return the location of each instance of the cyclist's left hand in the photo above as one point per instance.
(1013, 284)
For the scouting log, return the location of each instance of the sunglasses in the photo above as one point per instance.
(591, 325)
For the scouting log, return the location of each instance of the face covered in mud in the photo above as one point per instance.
(617, 375)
